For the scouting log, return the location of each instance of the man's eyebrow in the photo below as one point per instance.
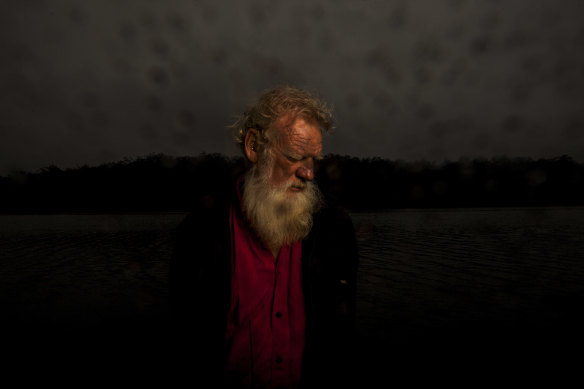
(299, 155)
(291, 153)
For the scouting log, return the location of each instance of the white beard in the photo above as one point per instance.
(278, 216)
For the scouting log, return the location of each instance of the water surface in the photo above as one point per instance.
(473, 283)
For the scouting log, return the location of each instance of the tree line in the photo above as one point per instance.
(161, 183)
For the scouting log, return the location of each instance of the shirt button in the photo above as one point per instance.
(278, 315)
(278, 360)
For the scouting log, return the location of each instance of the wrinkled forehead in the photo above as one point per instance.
(299, 134)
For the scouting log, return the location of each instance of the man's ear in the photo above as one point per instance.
(251, 145)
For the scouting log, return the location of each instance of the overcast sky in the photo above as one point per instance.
(93, 81)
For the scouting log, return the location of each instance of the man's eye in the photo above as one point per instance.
(293, 159)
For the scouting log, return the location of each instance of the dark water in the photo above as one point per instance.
(440, 293)
(436, 268)
(497, 292)
(76, 269)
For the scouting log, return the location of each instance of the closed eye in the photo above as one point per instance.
(293, 158)
(298, 157)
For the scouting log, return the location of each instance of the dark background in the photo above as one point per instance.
(98, 81)
(85, 83)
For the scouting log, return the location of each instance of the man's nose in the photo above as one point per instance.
(306, 171)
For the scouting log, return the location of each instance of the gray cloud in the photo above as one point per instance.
(93, 81)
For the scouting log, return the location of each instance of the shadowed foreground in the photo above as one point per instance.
(454, 296)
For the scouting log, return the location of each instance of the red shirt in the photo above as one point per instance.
(266, 320)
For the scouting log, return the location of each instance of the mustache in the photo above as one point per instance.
(296, 185)
(277, 216)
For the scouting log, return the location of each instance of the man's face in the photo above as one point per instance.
(279, 196)
(295, 149)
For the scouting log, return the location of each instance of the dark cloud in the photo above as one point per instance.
(512, 123)
(84, 82)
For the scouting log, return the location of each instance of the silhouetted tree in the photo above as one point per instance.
(160, 183)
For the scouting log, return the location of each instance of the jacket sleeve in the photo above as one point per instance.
(198, 272)
(331, 294)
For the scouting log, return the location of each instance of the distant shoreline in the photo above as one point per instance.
(355, 211)
(159, 183)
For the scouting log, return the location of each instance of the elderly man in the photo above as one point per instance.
(263, 273)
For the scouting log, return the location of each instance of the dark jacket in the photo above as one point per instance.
(199, 280)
